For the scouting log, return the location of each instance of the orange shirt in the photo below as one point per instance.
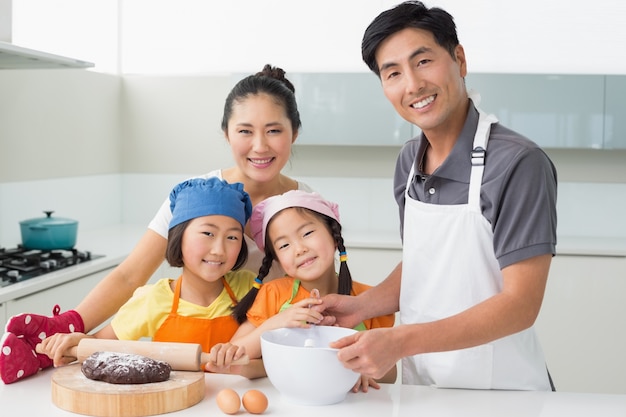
(273, 294)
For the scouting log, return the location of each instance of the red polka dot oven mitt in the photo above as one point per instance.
(18, 358)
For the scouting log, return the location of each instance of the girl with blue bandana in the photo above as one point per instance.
(206, 240)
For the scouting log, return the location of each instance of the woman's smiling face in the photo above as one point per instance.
(260, 135)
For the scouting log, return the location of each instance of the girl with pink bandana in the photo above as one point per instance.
(302, 232)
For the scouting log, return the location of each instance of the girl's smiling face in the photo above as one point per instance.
(211, 245)
(303, 244)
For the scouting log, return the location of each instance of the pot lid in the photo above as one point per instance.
(49, 220)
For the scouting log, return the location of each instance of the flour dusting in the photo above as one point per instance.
(125, 368)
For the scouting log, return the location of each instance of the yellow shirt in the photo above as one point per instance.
(150, 305)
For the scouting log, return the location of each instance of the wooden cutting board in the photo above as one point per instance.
(74, 392)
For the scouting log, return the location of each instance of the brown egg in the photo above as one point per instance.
(254, 401)
(228, 401)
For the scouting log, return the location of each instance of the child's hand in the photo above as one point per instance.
(58, 345)
(363, 384)
(299, 314)
(222, 356)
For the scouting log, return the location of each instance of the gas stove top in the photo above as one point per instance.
(19, 264)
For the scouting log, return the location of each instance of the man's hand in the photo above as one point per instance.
(371, 353)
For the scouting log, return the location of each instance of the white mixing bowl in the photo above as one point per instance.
(303, 368)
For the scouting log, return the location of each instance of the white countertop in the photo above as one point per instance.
(32, 396)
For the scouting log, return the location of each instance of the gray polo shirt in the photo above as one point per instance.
(518, 194)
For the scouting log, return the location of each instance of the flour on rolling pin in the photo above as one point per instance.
(125, 368)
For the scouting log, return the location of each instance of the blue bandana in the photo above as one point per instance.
(207, 197)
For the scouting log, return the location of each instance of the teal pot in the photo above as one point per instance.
(49, 233)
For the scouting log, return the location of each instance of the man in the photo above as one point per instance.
(477, 206)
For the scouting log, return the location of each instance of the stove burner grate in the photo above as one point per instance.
(19, 264)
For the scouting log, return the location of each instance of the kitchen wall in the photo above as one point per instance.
(49, 117)
(60, 147)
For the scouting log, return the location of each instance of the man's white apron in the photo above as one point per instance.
(449, 266)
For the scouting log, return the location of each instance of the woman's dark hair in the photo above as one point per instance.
(345, 278)
(410, 14)
(271, 81)
(174, 251)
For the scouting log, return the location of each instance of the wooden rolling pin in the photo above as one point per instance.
(180, 356)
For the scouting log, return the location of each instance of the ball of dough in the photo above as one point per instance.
(125, 368)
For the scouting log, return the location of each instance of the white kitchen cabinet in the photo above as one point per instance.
(66, 295)
(546, 108)
(582, 321)
(350, 109)
(347, 109)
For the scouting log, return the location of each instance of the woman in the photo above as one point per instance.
(261, 123)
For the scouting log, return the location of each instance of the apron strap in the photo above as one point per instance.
(478, 156)
(179, 283)
(294, 291)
